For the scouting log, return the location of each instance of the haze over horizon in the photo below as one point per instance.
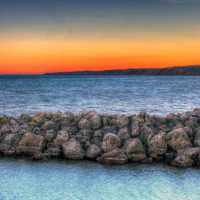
(58, 36)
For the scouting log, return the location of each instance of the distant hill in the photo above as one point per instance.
(193, 70)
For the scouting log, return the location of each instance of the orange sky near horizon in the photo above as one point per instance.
(32, 55)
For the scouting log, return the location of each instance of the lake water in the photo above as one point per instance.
(114, 94)
(58, 180)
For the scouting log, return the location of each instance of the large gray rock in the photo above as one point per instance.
(93, 151)
(31, 144)
(135, 150)
(61, 138)
(84, 135)
(123, 134)
(110, 142)
(84, 124)
(186, 157)
(97, 137)
(182, 161)
(49, 125)
(95, 122)
(54, 148)
(72, 150)
(116, 156)
(178, 139)
(157, 146)
(122, 121)
(8, 144)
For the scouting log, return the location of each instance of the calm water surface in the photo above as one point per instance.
(114, 94)
(26, 180)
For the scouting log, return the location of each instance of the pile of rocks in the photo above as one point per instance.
(110, 139)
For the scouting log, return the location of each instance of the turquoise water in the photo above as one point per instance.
(58, 180)
(113, 94)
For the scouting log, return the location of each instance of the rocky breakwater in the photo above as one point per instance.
(108, 139)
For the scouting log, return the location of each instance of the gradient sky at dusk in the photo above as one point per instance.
(65, 35)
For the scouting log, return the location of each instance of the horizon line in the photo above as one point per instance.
(105, 70)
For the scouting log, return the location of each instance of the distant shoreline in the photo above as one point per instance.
(190, 70)
(193, 70)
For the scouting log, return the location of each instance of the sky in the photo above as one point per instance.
(39, 36)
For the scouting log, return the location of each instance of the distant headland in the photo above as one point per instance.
(192, 70)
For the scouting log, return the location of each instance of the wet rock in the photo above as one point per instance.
(110, 142)
(93, 151)
(116, 156)
(73, 150)
(135, 150)
(178, 139)
(157, 146)
(30, 144)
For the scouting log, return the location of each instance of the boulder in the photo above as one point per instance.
(54, 148)
(123, 134)
(61, 138)
(122, 121)
(116, 156)
(191, 152)
(182, 161)
(49, 125)
(157, 146)
(97, 137)
(9, 143)
(72, 150)
(135, 150)
(110, 142)
(146, 133)
(84, 124)
(95, 122)
(178, 139)
(93, 151)
(53, 151)
(84, 135)
(30, 144)
(186, 157)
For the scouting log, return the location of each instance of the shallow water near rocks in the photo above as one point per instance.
(56, 180)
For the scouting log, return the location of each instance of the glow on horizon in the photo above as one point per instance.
(32, 55)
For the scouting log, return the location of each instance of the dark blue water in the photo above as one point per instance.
(23, 180)
(114, 94)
